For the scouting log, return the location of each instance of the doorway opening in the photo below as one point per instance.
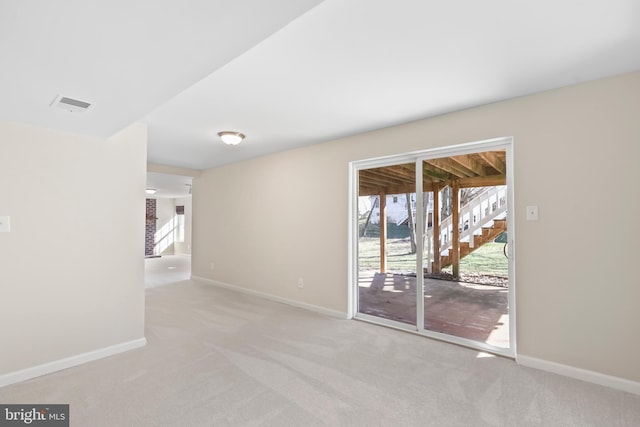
(168, 228)
(432, 244)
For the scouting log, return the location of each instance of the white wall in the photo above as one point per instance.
(72, 267)
(168, 223)
(184, 248)
(576, 155)
(165, 226)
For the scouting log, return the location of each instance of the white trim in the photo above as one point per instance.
(352, 251)
(287, 301)
(580, 374)
(69, 362)
(419, 226)
(511, 236)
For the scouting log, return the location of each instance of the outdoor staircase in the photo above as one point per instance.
(482, 220)
(488, 235)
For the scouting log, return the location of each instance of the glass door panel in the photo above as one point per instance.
(387, 243)
(464, 247)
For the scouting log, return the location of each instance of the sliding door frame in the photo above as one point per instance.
(417, 157)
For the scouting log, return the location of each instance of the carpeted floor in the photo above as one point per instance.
(166, 269)
(218, 358)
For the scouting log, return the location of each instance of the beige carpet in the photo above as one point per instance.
(217, 358)
(166, 269)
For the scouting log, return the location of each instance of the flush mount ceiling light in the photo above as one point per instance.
(231, 138)
(150, 191)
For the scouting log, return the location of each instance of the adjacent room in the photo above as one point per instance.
(310, 212)
(167, 227)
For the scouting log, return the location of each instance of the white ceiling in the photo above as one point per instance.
(290, 73)
(168, 185)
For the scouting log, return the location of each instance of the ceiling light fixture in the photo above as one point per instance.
(150, 191)
(231, 138)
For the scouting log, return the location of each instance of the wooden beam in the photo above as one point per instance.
(370, 180)
(470, 164)
(383, 233)
(455, 221)
(405, 171)
(459, 170)
(473, 169)
(379, 177)
(496, 162)
(400, 189)
(430, 185)
(374, 191)
(482, 181)
(434, 172)
(450, 167)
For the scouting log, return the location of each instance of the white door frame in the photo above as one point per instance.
(504, 143)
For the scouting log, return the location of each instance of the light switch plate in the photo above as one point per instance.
(5, 224)
(532, 213)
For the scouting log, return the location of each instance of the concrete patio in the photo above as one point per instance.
(475, 312)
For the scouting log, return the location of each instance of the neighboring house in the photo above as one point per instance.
(397, 211)
(396, 208)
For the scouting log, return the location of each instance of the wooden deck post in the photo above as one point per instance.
(455, 221)
(383, 232)
(436, 229)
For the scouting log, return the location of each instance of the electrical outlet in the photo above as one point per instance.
(532, 213)
(300, 283)
(212, 266)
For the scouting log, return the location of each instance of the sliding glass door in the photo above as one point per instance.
(433, 251)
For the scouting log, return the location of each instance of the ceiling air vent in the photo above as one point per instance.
(70, 104)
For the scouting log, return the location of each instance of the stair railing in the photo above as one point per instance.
(477, 213)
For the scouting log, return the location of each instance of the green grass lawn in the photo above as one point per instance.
(399, 258)
(488, 259)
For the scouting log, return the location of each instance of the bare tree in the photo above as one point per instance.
(366, 224)
(412, 226)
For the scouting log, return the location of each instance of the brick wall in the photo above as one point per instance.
(149, 235)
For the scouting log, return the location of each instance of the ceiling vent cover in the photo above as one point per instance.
(70, 104)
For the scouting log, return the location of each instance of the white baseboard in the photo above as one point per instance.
(68, 362)
(310, 307)
(580, 374)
